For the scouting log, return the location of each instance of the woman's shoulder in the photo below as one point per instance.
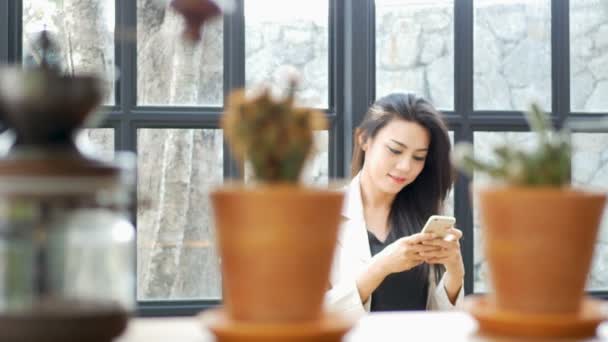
(352, 208)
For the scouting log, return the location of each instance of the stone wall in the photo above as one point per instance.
(415, 50)
(589, 55)
(300, 42)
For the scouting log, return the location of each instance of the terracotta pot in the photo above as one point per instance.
(539, 244)
(276, 245)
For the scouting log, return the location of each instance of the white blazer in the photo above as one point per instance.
(353, 254)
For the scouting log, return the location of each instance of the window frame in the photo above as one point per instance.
(10, 31)
(4, 31)
(464, 120)
(351, 91)
(128, 117)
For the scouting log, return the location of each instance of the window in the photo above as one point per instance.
(479, 61)
(316, 168)
(484, 143)
(165, 98)
(176, 256)
(590, 169)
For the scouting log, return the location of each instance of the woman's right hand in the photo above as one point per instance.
(404, 254)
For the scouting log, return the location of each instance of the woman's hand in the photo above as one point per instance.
(407, 252)
(399, 256)
(448, 255)
(447, 252)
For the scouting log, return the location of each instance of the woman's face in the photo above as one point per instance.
(396, 155)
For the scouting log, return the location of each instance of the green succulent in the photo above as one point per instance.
(547, 165)
(273, 134)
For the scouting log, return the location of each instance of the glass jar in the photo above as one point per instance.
(67, 264)
(66, 240)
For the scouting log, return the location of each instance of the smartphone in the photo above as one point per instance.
(439, 225)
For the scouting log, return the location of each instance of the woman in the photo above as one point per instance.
(402, 175)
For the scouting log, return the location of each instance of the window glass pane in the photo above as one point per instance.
(415, 49)
(171, 71)
(295, 33)
(589, 55)
(176, 253)
(512, 54)
(84, 30)
(590, 169)
(316, 169)
(97, 142)
(7, 139)
(484, 144)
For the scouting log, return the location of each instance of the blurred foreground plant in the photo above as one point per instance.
(547, 165)
(273, 134)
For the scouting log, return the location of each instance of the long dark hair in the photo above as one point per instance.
(425, 195)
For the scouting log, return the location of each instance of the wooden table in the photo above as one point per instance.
(376, 327)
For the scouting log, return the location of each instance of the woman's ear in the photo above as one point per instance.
(362, 140)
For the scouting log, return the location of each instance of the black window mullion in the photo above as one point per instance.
(126, 89)
(358, 64)
(175, 111)
(169, 120)
(4, 31)
(126, 22)
(599, 294)
(234, 71)
(234, 48)
(14, 32)
(463, 57)
(126, 62)
(118, 38)
(560, 59)
(336, 88)
(463, 107)
(174, 308)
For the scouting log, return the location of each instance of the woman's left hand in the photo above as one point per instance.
(449, 253)
(449, 256)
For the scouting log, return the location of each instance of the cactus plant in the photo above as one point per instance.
(547, 165)
(272, 133)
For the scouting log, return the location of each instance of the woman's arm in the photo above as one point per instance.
(438, 295)
(371, 278)
(449, 255)
(343, 297)
(453, 284)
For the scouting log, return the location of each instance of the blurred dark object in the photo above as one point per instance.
(67, 266)
(61, 322)
(46, 108)
(196, 13)
(41, 105)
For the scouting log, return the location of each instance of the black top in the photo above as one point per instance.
(399, 291)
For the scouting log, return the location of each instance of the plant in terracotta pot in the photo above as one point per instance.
(539, 231)
(276, 236)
